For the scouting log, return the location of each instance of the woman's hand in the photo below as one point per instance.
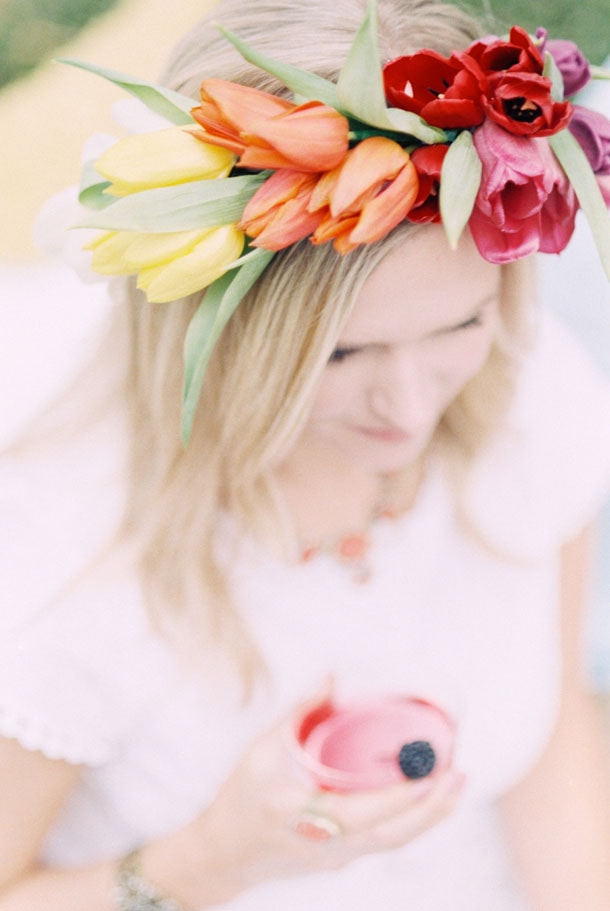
(248, 834)
(245, 836)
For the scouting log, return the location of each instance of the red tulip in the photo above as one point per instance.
(445, 92)
(428, 161)
(518, 54)
(516, 94)
(523, 105)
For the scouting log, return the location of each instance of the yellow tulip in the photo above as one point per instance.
(161, 159)
(206, 261)
(109, 251)
(146, 250)
(172, 265)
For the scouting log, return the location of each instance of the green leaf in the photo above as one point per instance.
(552, 72)
(218, 305)
(578, 170)
(92, 186)
(361, 92)
(184, 207)
(253, 253)
(345, 97)
(360, 85)
(308, 85)
(413, 125)
(171, 105)
(459, 185)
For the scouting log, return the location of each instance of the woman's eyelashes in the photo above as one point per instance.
(341, 353)
(476, 320)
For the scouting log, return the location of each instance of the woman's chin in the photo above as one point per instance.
(385, 456)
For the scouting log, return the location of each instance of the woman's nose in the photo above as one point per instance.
(401, 393)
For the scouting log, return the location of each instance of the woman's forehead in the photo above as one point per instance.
(423, 286)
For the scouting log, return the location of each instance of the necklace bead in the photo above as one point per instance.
(351, 550)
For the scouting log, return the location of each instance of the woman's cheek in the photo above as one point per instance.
(339, 386)
(457, 367)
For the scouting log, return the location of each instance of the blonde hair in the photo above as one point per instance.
(266, 366)
(265, 369)
(314, 36)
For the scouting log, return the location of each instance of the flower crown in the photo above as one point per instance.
(483, 138)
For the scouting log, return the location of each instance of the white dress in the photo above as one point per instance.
(82, 676)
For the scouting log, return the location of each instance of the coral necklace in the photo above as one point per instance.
(351, 550)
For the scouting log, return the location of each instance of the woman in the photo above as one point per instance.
(387, 490)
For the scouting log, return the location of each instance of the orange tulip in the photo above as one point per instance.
(337, 230)
(366, 196)
(278, 214)
(271, 132)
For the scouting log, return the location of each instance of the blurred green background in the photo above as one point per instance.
(31, 29)
(586, 22)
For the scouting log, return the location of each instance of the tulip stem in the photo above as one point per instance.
(360, 134)
(599, 72)
(403, 139)
(408, 143)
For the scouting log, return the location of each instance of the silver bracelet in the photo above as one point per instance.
(134, 893)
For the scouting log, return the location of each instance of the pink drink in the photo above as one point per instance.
(374, 744)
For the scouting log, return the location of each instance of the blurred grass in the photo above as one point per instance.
(31, 29)
(586, 23)
(49, 112)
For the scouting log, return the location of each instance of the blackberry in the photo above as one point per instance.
(416, 759)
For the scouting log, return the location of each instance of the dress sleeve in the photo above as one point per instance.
(67, 688)
(76, 655)
(546, 474)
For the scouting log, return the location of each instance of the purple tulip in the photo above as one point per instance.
(592, 130)
(603, 181)
(572, 64)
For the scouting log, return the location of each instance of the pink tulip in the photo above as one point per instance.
(525, 203)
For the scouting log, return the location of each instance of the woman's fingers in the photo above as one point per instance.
(422, 815)
(348, 825)
(363, 810)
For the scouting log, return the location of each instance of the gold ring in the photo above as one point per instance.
(317, 826)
